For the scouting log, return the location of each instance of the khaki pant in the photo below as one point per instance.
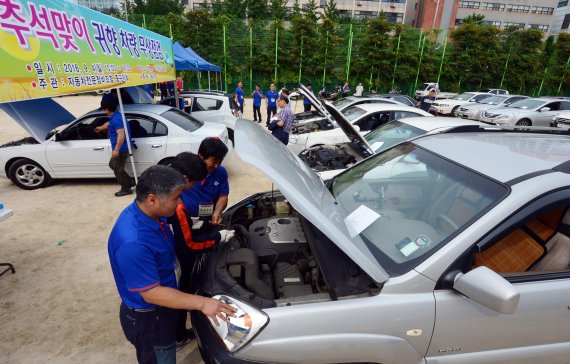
(118, 167)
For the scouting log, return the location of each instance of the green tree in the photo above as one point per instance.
(331, 11)
(256, 9)
(476, 19)
(310, 11)
(157, 7)
(277, 9)
(235, 8)
(296, 11)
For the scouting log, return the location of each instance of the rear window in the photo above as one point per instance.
(182, 120)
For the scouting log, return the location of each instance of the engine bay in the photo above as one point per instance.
(329, 157)
(302, 127)
(271, 260)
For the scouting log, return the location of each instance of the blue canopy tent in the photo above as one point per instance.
(185, 59)
(204, 65)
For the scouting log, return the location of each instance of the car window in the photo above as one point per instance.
(391, 134)
(527, 104)
(398, 114)
(205, 104)
(404, 100)
(182, 119)
(415, 201)
(481, 97)
(353, 112)
(463, 97)
(512, 100)
(340, 103)
(373, 121)
(85, 129)
(552, 105)
(144, 127)
(564, 105)
(493, 100)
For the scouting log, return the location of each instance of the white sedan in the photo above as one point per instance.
(451, 106)
(76, 151)
(366, 117)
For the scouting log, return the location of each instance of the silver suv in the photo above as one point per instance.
(535, 111)
(419, 254)
(474, 111)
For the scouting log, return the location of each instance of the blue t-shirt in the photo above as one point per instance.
(116, 123)
(272, 98)
(141, 251)
(306, 99)
(239, 92)
(207, 192)
(257, 95)
(148, 89)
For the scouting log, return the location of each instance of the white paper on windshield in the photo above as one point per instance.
(376, 145)
(360, 219)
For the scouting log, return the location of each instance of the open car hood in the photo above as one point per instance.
(304, 190)
(38, 116)
(349, 129)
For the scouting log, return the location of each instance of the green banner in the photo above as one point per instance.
(54, 48)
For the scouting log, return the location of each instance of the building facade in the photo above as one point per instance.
(444, 14)
(561, 17)
(98, 4)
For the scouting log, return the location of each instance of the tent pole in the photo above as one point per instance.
(209, 88)
(127, 136)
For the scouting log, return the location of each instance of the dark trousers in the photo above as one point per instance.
(240, 107)
(186, 265)
(118, 167)
(271, 110)
(307, 107)
(256, 112)
(152, 334)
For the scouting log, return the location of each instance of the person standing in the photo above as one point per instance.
(426, 102)
(120, 149)
(145, 269)
(257, 96)
(238, 96)
(346, 90)
(179, 84)
(148, 88)
(163, 90)
(306, 101)
(359, 89)
(281, 127)
(271, 97)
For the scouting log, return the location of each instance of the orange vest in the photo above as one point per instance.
(187, 231)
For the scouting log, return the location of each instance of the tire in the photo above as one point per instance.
(28, 175)
(524, 122)
(454, 111)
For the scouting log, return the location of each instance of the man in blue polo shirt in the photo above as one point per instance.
(306, 102)
(238, 96)
(145, 268)
(272, 97)
(120, 152)
(210, 197)
(257, 96)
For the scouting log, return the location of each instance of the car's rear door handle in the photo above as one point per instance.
(157, 146)
(99, 148)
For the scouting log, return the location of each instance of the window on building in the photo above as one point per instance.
(458, 21)
(496, 24)
(197, 5)
(562, 3)
(518, 8)
(509, 24)
(542, 27)
(395, 17)
(542, 10)
(364, 14)
(469, 4)
(566, 21)
(493, 6)
(394, 1)
(323, 4)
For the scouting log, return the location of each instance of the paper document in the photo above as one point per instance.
(359, 220)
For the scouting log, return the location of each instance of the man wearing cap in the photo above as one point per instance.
(145, 269)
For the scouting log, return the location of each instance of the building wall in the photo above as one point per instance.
(561, 18)
(98, 4)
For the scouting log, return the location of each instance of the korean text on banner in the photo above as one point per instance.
(53, 47)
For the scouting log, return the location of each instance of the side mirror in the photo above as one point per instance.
(489, 289)
(544, 109)
(58, 137)
(356, 127)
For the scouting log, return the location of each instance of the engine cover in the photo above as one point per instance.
(278, 235)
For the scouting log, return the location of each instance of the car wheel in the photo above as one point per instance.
(166, 161)
(28, 175)
(524, 122)
(454, 111)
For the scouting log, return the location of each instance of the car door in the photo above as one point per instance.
(78, 151)
(207, 109)
(524, 250)
(543, 118)
(150, 136)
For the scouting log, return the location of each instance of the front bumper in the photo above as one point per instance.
(445, 110)
(210, 346)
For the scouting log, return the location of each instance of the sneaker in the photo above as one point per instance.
(190, 336)
(123, 193)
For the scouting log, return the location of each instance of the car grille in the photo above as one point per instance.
(563, 121)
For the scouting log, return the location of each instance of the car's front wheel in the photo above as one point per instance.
(454, 111)
(28, 175)
(524, 122)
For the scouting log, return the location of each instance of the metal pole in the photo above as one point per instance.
(276, 47)
(565, 68)
(326, 56)
(127, 136)
(396, 62)
(209, 87)
(171, 36)
(542, 82)
(370, 82)
(442, 58)
(505, 70)
(420, 64)
(301, 60)
(349, 53)
(251, 59)
(435, 15)
(225, 62)
(144, 21)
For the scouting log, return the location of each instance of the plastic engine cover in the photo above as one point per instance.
(278, 235)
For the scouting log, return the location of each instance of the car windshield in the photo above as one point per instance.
(182, 119)
(391, 134)
(463, 97)
(406, 203)
(527, 104)
(352, 112)
(494, 100)
(341, 103)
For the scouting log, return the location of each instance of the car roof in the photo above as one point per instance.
(149, 108)
(371, 107)
(429, 123)
(204, 92)
(514, 154)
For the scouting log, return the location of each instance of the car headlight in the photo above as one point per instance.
(242, 328)
(442, 105)
(293, 138)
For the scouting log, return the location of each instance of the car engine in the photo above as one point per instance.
(310, 126)
(330, 157)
